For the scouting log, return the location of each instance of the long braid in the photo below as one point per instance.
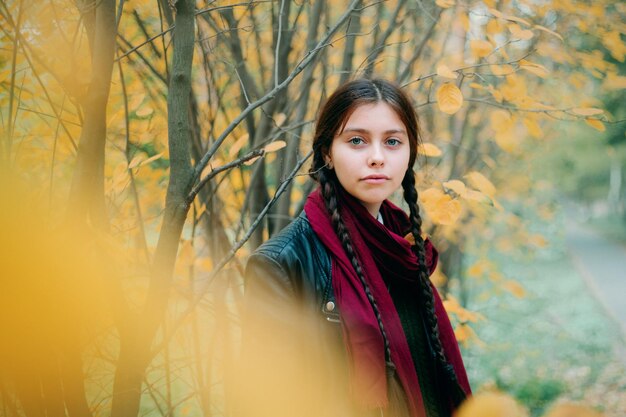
(329, 192)
(410, 195)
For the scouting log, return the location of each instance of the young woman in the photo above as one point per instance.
(340, 317)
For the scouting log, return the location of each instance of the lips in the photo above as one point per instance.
(375, 179)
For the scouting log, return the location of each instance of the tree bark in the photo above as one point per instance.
(86, 201)
(352, 31)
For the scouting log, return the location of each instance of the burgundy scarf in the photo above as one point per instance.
(382, 251)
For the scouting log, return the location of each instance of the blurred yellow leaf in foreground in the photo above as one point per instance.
(490, 404)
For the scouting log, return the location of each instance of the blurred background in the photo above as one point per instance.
(149, 146)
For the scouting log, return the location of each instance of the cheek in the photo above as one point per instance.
(341, 158)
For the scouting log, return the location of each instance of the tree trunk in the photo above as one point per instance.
(138, 335)
(87, 193)
(352, 31)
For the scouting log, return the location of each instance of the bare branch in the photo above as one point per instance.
(171, 28)
(271, 94)
(237, 162)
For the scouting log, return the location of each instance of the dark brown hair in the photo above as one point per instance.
(331, 120)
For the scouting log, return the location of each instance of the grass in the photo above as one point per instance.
(554, 344)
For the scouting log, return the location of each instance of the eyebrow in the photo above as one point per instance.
(361, 130)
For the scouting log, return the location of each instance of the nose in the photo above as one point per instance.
(376, 157)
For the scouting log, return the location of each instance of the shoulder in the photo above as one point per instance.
(295, 252)
(297, 235)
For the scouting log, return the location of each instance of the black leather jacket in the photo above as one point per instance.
(301, 257)
(293, 357)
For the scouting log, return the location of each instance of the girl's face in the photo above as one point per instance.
(371, 154)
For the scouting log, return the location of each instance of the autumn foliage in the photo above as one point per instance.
(163, 141)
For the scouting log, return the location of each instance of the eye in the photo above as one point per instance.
(393, 142)
(356, 140)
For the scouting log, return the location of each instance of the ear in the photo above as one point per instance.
(329, 162)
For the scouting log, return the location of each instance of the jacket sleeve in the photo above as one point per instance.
(272, 334)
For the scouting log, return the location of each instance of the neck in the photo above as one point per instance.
(372, 208)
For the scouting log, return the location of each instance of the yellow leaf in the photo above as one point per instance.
(500, 120)
(428, 149)
(438, 278)
(476, 86)
(152, 158)
(519, 33)
(494, 27)
(251, 161)
(490, 404)
(449, 98)
(444, 71)
(533, 127)
(465, 21)
(451, 304)
(135, 101)
(587, 111)
(274, 146)
(538, 241)
(445, 4)
(239, 143)
(538, 70)
(514, 89)
(474, 195)
(440, 207)
(497, 94)
(481, 183)
(515, 288)
(613, 42)
(614, 81)
(501, 69)
(144, 111)
(136, 161)
(480, 48)
(545, 29)
(456, 186)
(4, 75)
(279, 119)
(596, 124)
(463, 333)
(479, 268)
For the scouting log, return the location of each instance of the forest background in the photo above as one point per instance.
(149, 146)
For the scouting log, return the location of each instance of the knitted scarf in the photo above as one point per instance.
(384, 255)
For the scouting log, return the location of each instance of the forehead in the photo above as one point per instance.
(373, 117)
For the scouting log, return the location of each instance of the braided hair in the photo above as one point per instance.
(331, 120)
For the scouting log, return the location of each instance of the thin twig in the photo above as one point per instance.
(271, 94)
(461, 69)
(171, 28)
(237, 162)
